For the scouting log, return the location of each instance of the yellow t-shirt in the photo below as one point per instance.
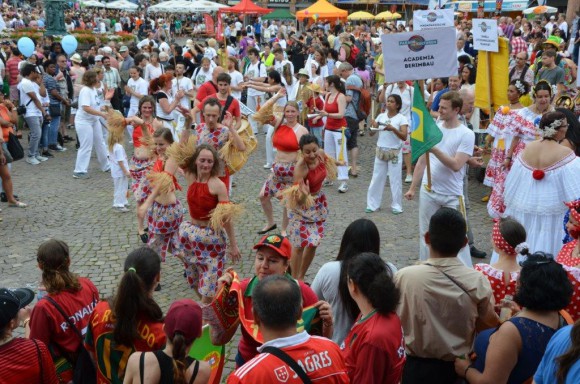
(380, 79)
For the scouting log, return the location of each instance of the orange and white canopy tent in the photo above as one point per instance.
(322, 9)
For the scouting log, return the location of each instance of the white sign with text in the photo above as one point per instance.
(485, 36)
(419, 55)
(431, 19)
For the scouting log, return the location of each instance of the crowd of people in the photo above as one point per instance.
(160, 115)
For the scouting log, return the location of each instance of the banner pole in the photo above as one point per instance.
(489, 83)
(428, 170)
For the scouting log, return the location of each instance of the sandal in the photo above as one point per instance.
(264, 231)
(144, 237)
(18, 204)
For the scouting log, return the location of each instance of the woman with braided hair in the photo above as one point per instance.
(172, 364)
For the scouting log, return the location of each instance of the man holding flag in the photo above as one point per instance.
(448, 145)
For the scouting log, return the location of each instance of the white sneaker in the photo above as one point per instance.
(409, 179)
(267, 166)
(121, 209)
(343, 187)
(32, 160)
(41, 158)
(60, 149)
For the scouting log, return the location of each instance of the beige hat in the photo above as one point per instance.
(314, 87)
(303, 72)
(108, 50)
(123, 48)
(76, 58)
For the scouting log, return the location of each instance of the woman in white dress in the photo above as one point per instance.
(544, 175)
(154, 69)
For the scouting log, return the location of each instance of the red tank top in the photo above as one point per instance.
(333, 124)
(138, 134)
(200, 201)
(284, 139)
(159, 166)
(316, 177)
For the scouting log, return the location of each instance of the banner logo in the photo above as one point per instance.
(417, 43)
(483, 27)
(431, 16)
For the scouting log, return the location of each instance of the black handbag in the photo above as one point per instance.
(54, 110)
(21, 109)
(84, 368)
(14, 147)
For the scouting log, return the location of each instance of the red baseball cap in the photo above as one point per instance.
(184, 316)
(278, 243)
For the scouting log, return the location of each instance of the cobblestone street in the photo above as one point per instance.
(80, 213)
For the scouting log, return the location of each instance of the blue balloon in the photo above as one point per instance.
(69, 44)
(26, 46)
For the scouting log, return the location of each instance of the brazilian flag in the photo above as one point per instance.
(425, 134)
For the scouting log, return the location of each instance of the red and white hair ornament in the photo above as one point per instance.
(500, 242)
(573, 205)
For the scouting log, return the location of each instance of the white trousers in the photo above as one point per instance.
(120, 185)
(269, 145)
(179, 125)
(88, 136)
(429, 203)
(335, 147)
(253, 104)
(381, 170)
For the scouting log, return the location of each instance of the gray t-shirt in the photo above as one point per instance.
(352, 106)
(553, 76)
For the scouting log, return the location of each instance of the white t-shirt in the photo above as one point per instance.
(406, 98)
(164, 47)
(145, 42)
(184, 84)
(87, 96)
(118, 27)
(210, 53)
(279, 66)
(237, 78)
(25, 87)
(118, 154)
(153, 72)
(444, 180)
(256, 70)
(141, 87)
(201, 76)
(388, 139)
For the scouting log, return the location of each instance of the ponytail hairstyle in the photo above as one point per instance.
(159, 83)
(287, 74)
(542, 85)
(361, 235)
(336, 82)
(568, 359)
(375, 281)
(133, 298)
(180, 349)
(514, 233)
(54, 260)
(165, 134)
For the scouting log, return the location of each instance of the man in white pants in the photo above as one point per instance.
(182, 83)
(448, 159)
(256, 71)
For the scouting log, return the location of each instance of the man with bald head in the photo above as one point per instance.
(454, 84)
(521, 70)
(209, 88)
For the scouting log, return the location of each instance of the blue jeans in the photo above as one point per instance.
(53, 130)
(44, 135)
(35, 125)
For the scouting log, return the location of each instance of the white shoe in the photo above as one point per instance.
(32, 160)
(267, 166)
(409, 179)
(121, 209)
(343, 187)
(41, 158)
(60, 149)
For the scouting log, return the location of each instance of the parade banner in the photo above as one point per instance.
(419, 55)
(438, 18)
(209, 24)
(425, 133)
(485, 36)
(492, 78)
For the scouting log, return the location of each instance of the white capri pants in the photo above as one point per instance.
(120, 185)
(88, 136)
(381, 170)
(335, 147)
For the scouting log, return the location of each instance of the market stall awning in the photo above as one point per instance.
(385, 2)
(246, 7)
(280, 14)
(322, 9)
(124, 5)
(488, 6)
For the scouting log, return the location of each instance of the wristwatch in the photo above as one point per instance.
(193, 126)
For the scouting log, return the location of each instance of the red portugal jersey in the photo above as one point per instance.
(374, 350)
(319, 357)
(112, 358)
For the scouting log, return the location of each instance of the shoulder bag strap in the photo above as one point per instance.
(39, 360)
(280, 354)
(59, 309)
(195, 371)
(453, 280)
(142, 367)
